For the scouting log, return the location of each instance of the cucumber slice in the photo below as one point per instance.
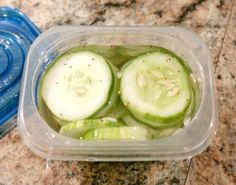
(117, 110)
(78, 85)
(155, 88)
(104, 50)
(130, 120)
(47, 115)
(113, 98)
(164, 133)
(155, 133)
(118, 133)
(135, 50)
(60, 121)
(191, 109)
(110, 52)
(76, 129)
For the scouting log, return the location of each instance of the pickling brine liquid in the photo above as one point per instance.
(160, 81)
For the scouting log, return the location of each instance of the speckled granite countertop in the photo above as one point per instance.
(213, 20)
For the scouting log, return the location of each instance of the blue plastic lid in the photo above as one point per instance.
(17, 32)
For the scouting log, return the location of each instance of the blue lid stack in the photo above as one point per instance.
(17, 33)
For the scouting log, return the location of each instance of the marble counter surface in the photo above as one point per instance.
(213, 20)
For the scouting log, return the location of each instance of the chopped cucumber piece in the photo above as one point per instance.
(76, 129)
(191, 109)
(155, 133)
(48, 115)
(79, 93)
(117, 110)
(104, 50)
(164, 132)
(110, 52)
(60, 121)
(155, 88)
(118, 133)
(113, 98)
(129, 119)
(78, 85)
(134, 51)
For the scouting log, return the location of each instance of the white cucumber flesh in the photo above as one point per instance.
(155, 88)
(78, 85)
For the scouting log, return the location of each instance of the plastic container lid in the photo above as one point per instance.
(17, 32)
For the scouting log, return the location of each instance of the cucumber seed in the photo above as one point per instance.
(141, 80)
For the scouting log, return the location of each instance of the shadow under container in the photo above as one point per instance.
(187, 142)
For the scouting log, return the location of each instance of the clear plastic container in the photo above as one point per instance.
(187, 142)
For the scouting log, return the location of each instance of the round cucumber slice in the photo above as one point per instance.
(155, 133)
(118, 133)
(155, 88)
(134, 50)
(113, 96)
(117, 110)
(76, 129)
(60, 121)
(78, 85)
